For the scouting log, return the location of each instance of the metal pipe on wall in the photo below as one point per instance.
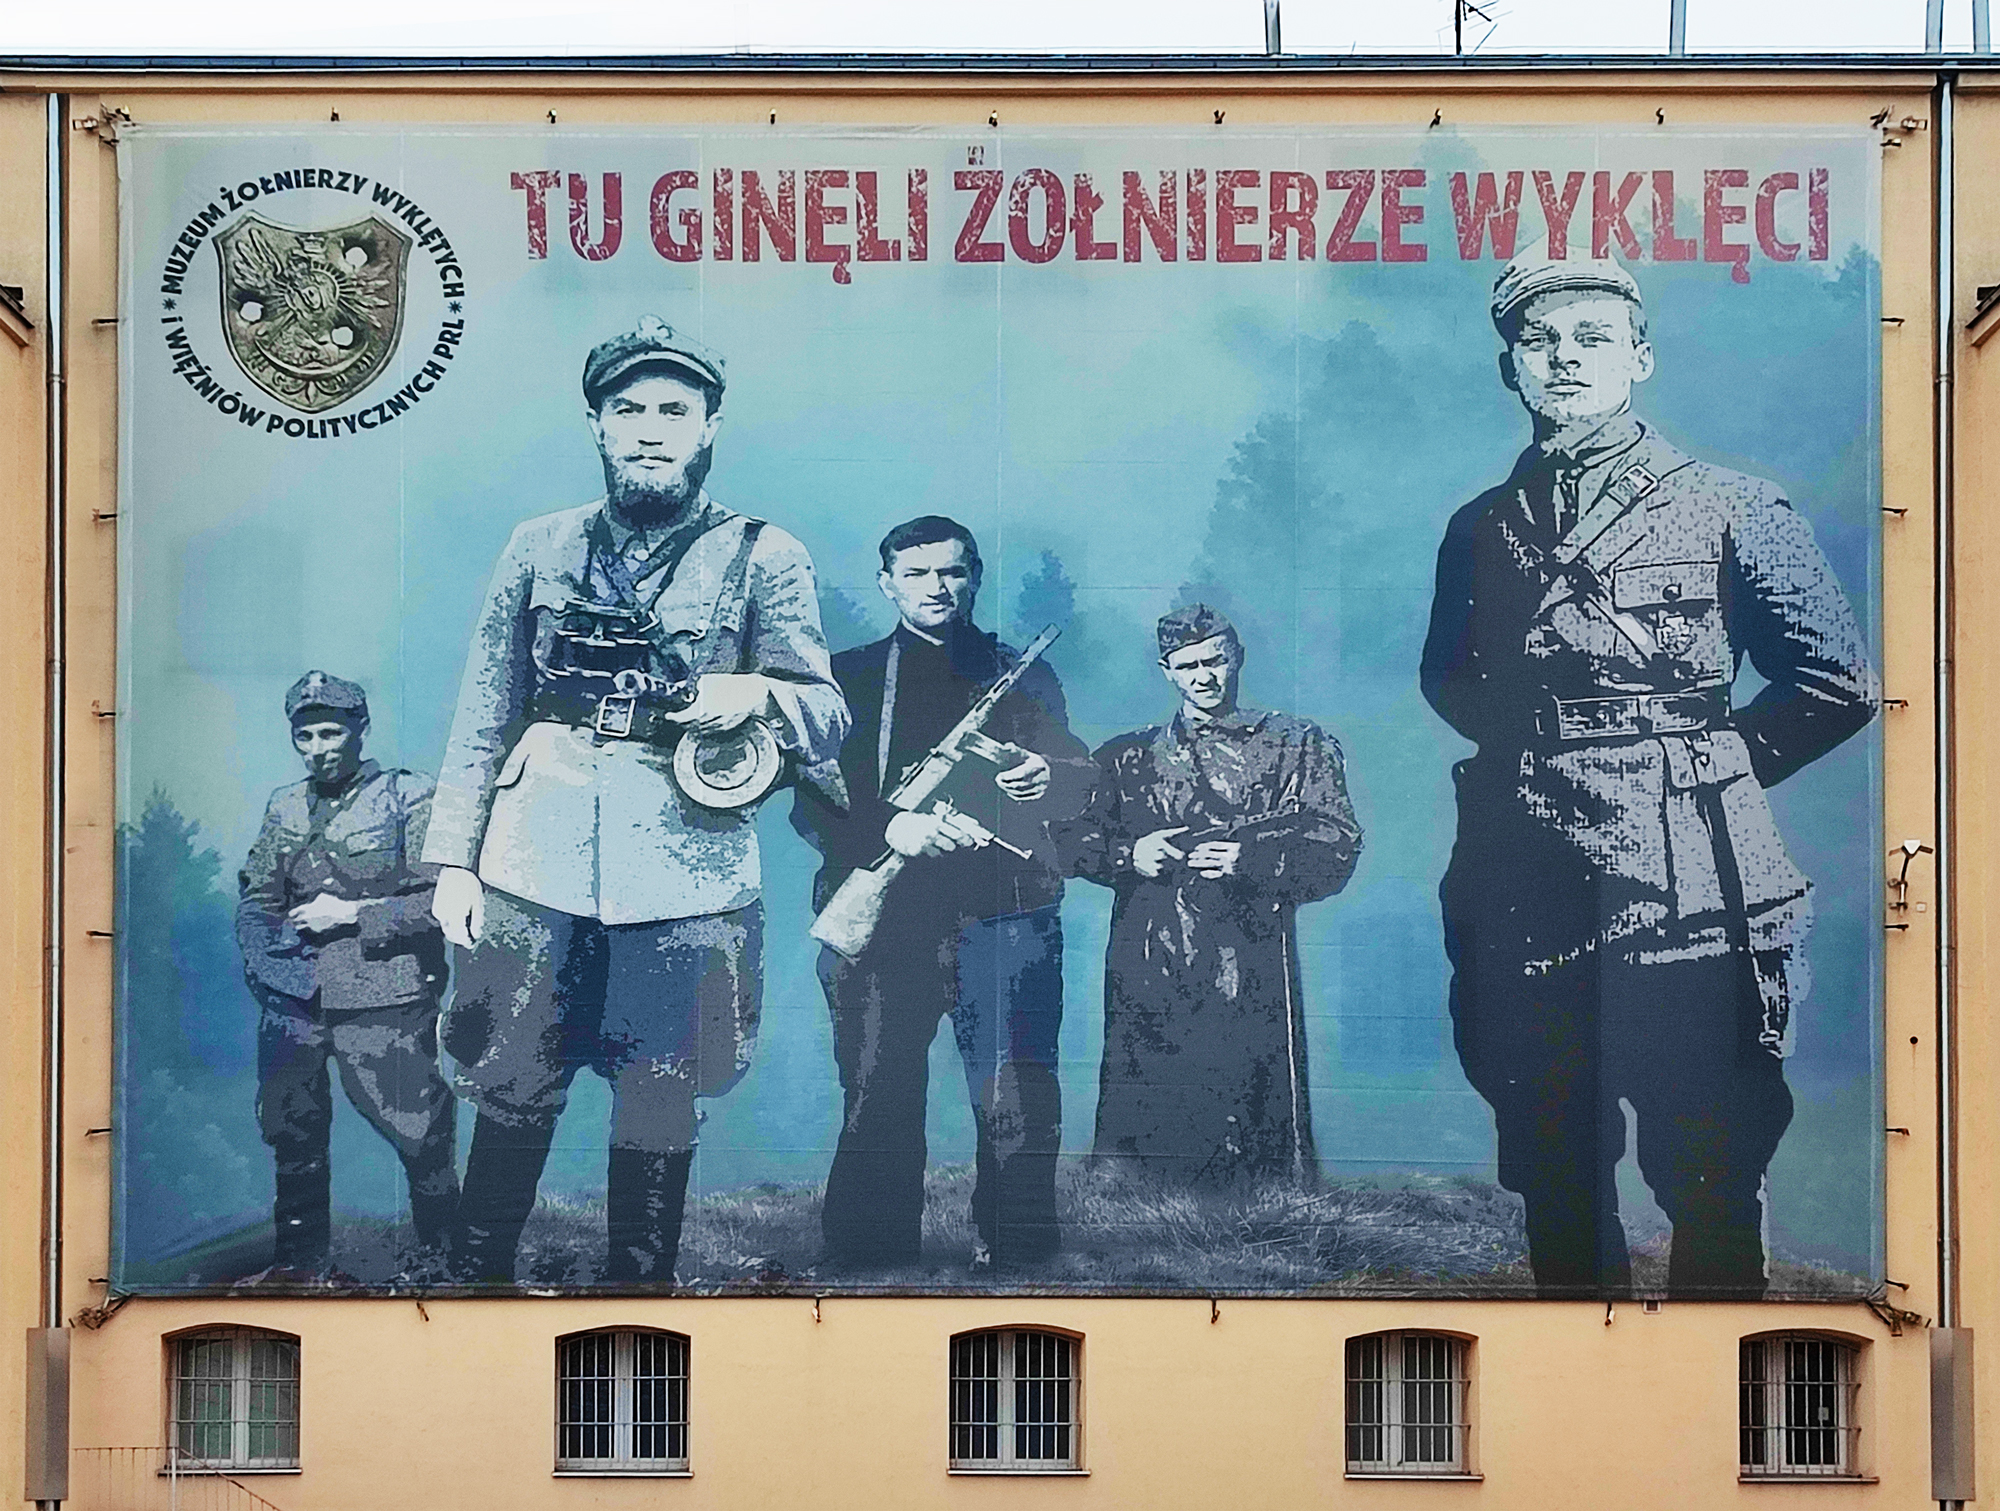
(1677, 28)
(1947, 983)
(54, 319)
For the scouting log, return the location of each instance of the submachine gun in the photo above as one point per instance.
(848, 921)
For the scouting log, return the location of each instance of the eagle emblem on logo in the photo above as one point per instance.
(312, 317)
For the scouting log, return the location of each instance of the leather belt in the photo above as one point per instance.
(614, 715)
(1632, 715)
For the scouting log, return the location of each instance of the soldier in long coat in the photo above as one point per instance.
(1621, 914)
(1211, 830)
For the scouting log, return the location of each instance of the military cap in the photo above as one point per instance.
(1533, 274)
(1192, 625)
(652, 342)
(316, 690)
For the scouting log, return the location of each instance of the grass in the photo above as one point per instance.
(1414, 1235)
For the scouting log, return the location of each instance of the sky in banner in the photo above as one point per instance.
(1289, 435)
(1310, 26)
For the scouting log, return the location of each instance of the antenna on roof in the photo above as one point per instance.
(1460, 9)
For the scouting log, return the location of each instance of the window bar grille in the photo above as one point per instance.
(1797, 1403)
(975, 1398)
(1406, 1404)
(236, 1401)
(1041, 1396)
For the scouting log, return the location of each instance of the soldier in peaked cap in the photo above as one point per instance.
(1621, 915)
(606, 919)
(1211, 830)
(347, 965)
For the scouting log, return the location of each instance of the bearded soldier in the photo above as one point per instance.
(1620, 911)
(640, 665)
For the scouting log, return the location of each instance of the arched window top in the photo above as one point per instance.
(1407, 1401)
(622, 1402)
(1796, 1399)
(1014, 1398)
(235, 1399)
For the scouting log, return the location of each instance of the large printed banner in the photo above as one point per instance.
(1180, 711)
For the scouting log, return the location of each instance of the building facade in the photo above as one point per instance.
(774, 1382)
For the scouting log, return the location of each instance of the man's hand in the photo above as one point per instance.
(1151, 854)
(915, 834)
(1027, 781)
(724, 700)
(324, 914)
(1215, 858)
(459, 906)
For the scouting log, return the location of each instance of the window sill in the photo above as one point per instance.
(622, 1474)
(214, 1471)
(1413, 1474)
(1019, 1472)
(1808, 1479)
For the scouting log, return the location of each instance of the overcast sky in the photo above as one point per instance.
(629, 26)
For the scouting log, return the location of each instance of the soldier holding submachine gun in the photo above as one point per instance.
(960, 917)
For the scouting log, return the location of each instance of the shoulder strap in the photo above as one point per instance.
(737, 581)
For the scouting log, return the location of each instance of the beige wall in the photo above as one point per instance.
(455, 1409)
(22, 573)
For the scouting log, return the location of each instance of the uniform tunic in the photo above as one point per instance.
(365, 996)
(624, 921)
(1204, 1072)
(571, 820)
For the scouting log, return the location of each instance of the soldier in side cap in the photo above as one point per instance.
(347, 965)
(1621, 915)
(1211, 830)
(600, 875)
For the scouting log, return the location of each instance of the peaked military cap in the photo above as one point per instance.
(1190, 626)
(1534, 274)
(651, 342)
(316, 690)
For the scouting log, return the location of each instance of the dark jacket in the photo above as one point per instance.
(362, 846)
(988, 883)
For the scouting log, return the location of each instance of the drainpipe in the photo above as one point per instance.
(55, 315)
(1952, 1423)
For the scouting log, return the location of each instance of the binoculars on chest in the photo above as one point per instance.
(610, 670)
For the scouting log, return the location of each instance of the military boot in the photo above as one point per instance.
(301, 1217)
(501, 1174)
(645, 1197)
(433, 1178)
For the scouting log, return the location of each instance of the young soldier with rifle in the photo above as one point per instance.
(966, 909)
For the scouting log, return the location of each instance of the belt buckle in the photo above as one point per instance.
(615, 713)
(1596, 718)
(1673, 715)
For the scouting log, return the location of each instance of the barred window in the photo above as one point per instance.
(1013, 1401)
(235, 1400)
(622, 1403)
(1406, 1404)
(1796, 1408)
